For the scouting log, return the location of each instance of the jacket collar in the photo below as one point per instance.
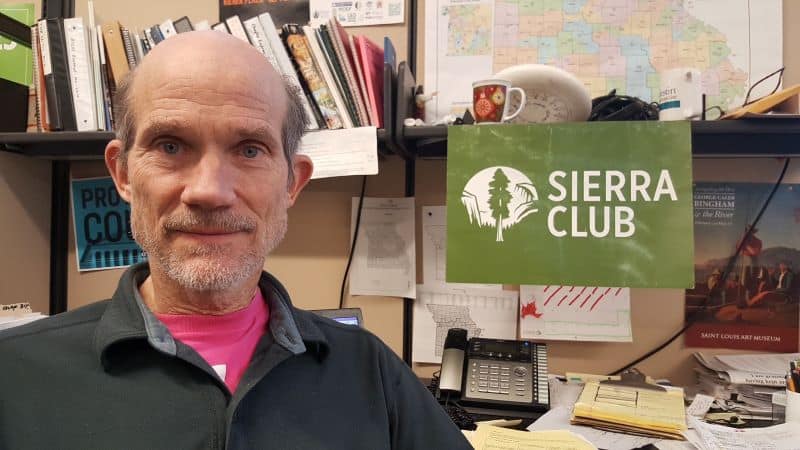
(128, 319)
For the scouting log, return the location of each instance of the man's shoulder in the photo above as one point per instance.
(337, 333)
(56, 326)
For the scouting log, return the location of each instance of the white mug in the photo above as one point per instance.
(490, 101)
(681, 94)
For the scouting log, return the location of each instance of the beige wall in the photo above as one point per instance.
(25, 236)
(312, 258)
(25, 227)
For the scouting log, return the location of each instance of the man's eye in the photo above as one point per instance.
(250, 151)
(170, 148)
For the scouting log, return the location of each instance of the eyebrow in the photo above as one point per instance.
(162, 125)
(242, 131)
(258, 133)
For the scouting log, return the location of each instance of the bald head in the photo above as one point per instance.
(225, 68)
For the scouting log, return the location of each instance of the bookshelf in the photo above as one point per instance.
(761, 138)
(87, 145)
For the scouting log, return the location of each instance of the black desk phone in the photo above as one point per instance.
(495, 374)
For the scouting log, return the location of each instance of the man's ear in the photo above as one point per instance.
(117, 167)
(303, 168)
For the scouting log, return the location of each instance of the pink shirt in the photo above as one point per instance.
(226, 342)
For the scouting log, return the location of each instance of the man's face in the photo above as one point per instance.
(206, 176)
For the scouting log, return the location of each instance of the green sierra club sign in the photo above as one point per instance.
(585, 204)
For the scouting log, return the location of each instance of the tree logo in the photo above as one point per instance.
(499, 197)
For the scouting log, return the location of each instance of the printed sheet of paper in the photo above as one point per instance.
(384, 260)
(354, 13)
(434, 249)
(338, 153)
(785, 436)
(488, 313)
(575, 313)
(772, 363)
(496, 438)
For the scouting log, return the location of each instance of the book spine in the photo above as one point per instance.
(127, 44)
(41, 91)
(287, 69)
(256, 34)
(95, 47)
(349, 72)
(115, 51)
(34, 113)
(337, 71)
(37, 73)
(53, 117)
(361, 82)
(105, 83)
(235, 26)
(80, 74)
(167, 29)
(298, 46)
(156, 34)
(372, 63)
(61, 75)
(322, 68)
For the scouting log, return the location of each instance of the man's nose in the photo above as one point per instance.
(211, 183)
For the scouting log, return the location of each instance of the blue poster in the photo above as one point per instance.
(102, 220)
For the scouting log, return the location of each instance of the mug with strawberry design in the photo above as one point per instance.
(490, 101)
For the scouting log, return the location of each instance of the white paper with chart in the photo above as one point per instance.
(487, 313)
(384, 258)
(575, 313)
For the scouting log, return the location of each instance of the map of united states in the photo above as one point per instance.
(608, 44)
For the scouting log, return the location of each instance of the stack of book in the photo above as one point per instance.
(78, 64)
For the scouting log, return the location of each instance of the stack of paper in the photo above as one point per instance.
(743, 381)
(17, 314)
(487, 437)
(635, 410)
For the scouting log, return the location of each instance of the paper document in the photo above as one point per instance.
(760, 369)
(487, 313)
(352, 13)
(700, 405)
(338, 153)
(647, 411)
(774, 363)
(785, 436)
(496, 438)
(434, 249)
(384, 258)
(559, 419)
(575, 313)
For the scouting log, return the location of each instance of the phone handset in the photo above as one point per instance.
(455, 347)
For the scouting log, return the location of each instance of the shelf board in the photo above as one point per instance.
(72, 145)
(60, 145)
(758, 138)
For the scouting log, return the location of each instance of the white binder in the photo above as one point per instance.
(80, 77)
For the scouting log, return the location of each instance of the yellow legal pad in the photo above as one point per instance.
(632, 410)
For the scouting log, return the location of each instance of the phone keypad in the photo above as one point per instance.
(508, 381)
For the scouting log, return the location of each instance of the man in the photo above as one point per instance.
(200, 348)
